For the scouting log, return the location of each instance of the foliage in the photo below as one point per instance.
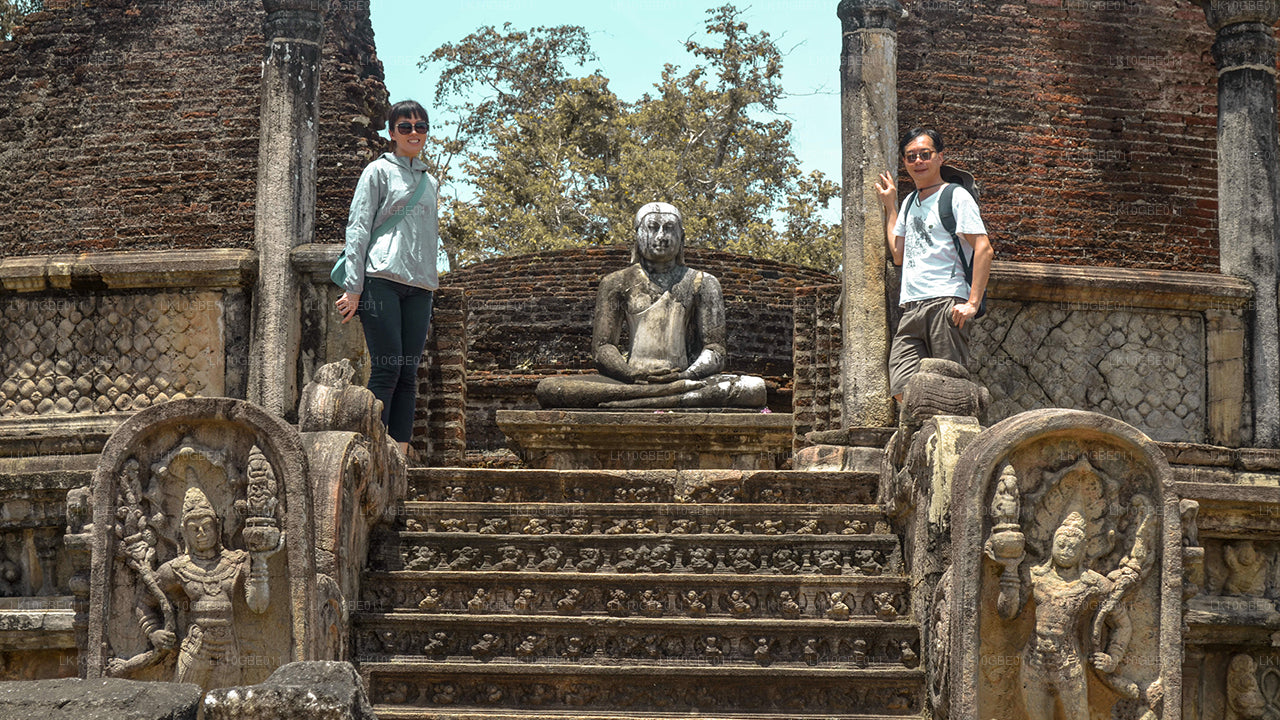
(12, 12)
(557, 160)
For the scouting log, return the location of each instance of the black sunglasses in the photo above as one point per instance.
(405, 128)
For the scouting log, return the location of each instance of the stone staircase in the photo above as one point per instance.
(509, 593)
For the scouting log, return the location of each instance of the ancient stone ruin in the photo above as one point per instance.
(202, 513)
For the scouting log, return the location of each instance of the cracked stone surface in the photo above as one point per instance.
(1145, 368)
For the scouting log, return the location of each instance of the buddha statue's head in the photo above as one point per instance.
(659, 234)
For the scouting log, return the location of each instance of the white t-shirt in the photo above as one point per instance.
(930, 267)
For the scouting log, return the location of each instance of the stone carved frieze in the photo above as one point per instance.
(1246, 568)
(1080, 534)
(884, 601)
(822, 644)
(1233, 581)
(767, 555)
(690, 489)
(704, 521)
(201, 570)
(888, 696)
(1244, 696)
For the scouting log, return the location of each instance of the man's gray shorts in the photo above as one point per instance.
(926, 331)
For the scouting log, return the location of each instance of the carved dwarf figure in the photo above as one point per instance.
(1244, 698)
(204, 580)
(1246, 569)
(675, 318)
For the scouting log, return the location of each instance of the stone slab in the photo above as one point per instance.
(99, 699)
(37, 624)
(647, 440)
(320, 690)
(838, 458)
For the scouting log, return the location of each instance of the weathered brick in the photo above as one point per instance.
(150, 108)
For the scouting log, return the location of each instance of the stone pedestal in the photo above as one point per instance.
(869, 122)
(1248, 183)
(647, 440)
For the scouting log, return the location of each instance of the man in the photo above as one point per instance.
(937, 303)
(674, 316)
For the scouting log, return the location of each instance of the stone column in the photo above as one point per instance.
(1249, 185)
(286, 198)
(869, 131)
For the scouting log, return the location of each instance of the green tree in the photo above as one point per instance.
(559, 161)
(12, 12)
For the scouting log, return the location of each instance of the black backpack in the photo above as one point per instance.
(953, 177)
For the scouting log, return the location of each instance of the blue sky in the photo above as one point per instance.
(633, 39)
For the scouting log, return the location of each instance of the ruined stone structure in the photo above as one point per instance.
(1088, 513)
(513, 321)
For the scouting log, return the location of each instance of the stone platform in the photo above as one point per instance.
(647, 439)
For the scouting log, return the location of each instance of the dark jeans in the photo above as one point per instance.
(396, 320)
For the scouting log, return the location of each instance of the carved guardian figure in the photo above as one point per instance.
(204, 581)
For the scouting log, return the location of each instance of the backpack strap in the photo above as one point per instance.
(946, 213)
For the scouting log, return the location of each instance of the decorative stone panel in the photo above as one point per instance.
(94, 354)
(1146, 367)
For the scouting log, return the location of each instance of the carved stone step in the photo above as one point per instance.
(489, 593)
(549, 640)
(503, 689)
(582, 519)
(389, 712)
(656, 553)
(680, 486)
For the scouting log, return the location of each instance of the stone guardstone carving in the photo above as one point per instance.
(207, 578)
(1065, 594)
(941, 388)
(203, 566)
(356, 475)
(674, 317)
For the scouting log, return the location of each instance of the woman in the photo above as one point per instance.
(392, 240)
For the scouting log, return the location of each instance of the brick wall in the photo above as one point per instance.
(133, 124)
(440, 425)
(1091, 124)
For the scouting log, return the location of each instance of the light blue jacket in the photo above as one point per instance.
(407, 253)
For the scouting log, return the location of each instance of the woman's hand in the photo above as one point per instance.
(347, 305)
